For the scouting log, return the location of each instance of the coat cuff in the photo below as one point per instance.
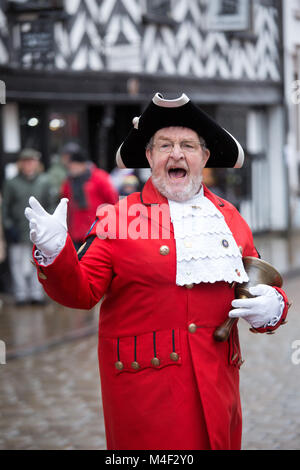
(270, 329)
(52, 264)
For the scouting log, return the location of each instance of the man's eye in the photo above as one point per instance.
(187, 145)
(165, 146)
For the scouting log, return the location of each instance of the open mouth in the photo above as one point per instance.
(176, 173)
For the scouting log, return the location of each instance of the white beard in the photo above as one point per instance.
(184, 194)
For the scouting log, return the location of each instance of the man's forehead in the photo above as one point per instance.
(173, 131)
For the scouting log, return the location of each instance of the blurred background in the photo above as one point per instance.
(76, 72)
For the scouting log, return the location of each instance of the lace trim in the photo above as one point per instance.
(206, 250)
(211, 245)
(200, 225)
(194, 209)
(210, 270)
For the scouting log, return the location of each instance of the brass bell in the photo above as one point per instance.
(259, 272)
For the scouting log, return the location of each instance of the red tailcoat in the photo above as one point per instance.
(188, 397)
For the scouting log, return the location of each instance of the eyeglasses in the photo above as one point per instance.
(187, 146)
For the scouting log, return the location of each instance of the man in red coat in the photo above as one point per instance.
(86, 188)
(165, 262)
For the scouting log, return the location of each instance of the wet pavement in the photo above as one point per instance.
(33, 328)
(51, 400)
(49, 387)
(270, 381)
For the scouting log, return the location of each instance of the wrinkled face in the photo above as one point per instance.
(177, 159)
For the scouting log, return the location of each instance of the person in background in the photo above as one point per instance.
(86, 188)
(57, 173)
(129, 185)
(67, 150)
(29, 180)
(117, 176)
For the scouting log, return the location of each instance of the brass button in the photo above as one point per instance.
(174, 356)
(119, 365)
(155, 361)
(135, 365)
(189, 286)
(42, 275)
(164, 250)
(192, 328)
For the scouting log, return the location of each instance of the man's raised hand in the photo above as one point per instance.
(48, 232)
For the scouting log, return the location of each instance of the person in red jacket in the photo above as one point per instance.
(164, 261)
(86, 188)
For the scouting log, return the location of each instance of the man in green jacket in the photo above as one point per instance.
(16, 191)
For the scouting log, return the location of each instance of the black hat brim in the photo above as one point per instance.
(225, 150)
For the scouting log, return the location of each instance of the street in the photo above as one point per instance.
(50, 399)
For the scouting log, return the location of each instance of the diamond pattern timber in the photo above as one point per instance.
(4, 54)
(110, 35)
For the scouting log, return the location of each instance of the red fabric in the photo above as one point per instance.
(191, 403)
(98, 190)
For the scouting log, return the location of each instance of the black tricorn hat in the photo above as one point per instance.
(225, 150)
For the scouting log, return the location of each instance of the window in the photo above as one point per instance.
(37, 43)
(32, 41)
(159, 8)
(36, 5)
(158, 11)
(229, 15)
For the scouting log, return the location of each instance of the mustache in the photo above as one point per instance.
(171, 166)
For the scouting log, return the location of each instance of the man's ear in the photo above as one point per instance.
(206, 155)
(149, 156)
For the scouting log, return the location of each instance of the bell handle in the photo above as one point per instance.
(223, 331)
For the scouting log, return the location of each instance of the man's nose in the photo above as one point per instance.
(176, 151)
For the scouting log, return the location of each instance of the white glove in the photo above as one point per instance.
(265, 309)
(48, 232)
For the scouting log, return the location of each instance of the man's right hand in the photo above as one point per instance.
(48, 232)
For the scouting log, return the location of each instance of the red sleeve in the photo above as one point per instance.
(78, 280)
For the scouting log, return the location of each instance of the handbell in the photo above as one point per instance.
(259, 272)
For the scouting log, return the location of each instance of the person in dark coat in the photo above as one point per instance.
(29, 180)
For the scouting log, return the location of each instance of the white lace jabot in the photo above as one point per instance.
(205, 248)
